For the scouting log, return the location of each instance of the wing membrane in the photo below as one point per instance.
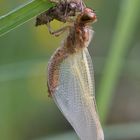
(75, 95)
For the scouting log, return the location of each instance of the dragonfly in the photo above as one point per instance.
(71, 76)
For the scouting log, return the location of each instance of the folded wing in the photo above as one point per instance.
(75, 95)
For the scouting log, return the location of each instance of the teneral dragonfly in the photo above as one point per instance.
(71, 78)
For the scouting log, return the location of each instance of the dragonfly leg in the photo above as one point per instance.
(57, 32)
(66, 8)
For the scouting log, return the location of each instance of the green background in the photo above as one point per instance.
(26, 111)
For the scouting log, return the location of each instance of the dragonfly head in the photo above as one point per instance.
(88, 16)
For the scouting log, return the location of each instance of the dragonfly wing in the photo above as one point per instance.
(75, 95)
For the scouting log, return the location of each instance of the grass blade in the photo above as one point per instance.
(22, 14)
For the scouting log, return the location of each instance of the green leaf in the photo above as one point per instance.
(22, 14)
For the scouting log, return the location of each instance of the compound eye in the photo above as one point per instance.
(88, 16)
(85, 18)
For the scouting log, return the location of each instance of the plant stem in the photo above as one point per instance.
(124, 32)
(22, 14)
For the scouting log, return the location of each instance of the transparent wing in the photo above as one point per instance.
(75, 95)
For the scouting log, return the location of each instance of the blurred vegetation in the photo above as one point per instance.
(26, 112)
(120, 43)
